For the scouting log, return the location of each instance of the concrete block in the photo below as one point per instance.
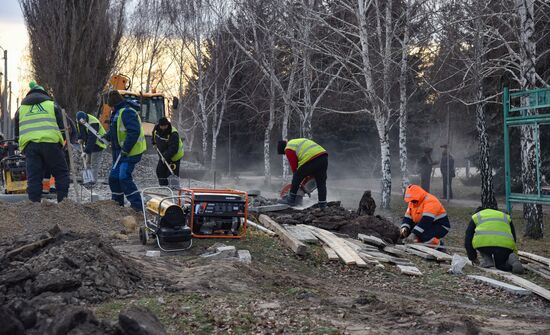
(152, 253)
(244, 256)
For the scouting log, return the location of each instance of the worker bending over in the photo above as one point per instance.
(425, 220)
(306, 158)
(492, 233)
(128, 144)
(92, 146)
(38, 125)
(169, 145)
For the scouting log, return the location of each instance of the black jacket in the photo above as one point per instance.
(88, 139)
(167, 142)
(34, 97)
(472, 253)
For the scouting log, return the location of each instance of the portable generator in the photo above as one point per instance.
(13, 168)
(164, 220)
(216, 213)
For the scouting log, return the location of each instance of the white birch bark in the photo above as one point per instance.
(532, 213)
(403, 99)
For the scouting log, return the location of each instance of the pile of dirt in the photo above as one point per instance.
(22, 317)
(27, 217)
(336, 218)
(68, 268)
(258, 200)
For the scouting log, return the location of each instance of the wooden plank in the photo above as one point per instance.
(360, 244)
(390, 249)
(269, 208)
(391, 259)
(414, 252)
(348, 255)
(501, 285)
(260, 228)
(440, 256)
(372, 240)
(331, 254)
(540, 259)
(360, 251)
(537, 270)
(541, 291)
(302, 234)
(409, 270)
(298, 247)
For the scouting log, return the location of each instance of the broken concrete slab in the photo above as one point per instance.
(221, 252)
(244, 256)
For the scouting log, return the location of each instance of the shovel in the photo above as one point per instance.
(87, 174)
(173, 180)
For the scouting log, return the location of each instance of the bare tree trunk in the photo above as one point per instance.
(267, 134)
(531, 212)
(385, 156)
(403, 102)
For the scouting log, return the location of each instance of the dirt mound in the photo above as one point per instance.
(336, 218)
(35, 218)
(68, 268)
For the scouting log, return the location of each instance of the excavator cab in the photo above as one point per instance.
(151, 104)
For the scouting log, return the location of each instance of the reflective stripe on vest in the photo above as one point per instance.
(492, 230)
(93, 120)
(305, 149)
(178, 155)
(140, 146)
(37, 123)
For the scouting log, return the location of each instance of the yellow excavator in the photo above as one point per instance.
(152, 104)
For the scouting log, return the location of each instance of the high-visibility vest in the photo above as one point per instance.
(140, 146)
(37, 123)
(305, 149)
(179, 154)
(93, 120)
(493, 230)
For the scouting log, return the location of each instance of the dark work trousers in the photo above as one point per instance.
(122, 183)
(42, 158)
(500, 255)
(317, 168)
(425, 180)
(163, 173)
(445, 186)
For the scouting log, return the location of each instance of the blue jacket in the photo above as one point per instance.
(130, 122)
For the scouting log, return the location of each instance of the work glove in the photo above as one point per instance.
(475, 261)
(123, 153)
(80, 141)
(404, 232)
(83, 155)
(411, 239)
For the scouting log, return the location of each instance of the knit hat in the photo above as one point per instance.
(164, 122)
(281, 145)
(81, 115)
(114, 98)
(34, 86)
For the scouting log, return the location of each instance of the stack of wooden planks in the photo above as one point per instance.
(537, 264)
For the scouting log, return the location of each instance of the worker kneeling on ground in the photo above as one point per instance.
(425, 220)
(169, 145)
(92, 146)
(306, 158)
(38, 124)
(128, 144)
(492, 233)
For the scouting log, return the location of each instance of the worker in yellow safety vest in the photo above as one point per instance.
(306, 158)
(92, 146)
(38, 127)
(492, 233)
(168, 142)
(128, 145)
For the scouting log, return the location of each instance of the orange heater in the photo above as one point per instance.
(215, 213)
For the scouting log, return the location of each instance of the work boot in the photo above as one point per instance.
(289, 199)
(486, 261)
(514, 262)
(322, 204)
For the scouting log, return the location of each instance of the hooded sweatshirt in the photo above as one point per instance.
(424, 209)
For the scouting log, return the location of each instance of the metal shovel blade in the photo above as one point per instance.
(174, 182)
(88, 176)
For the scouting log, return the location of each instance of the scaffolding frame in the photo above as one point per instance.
(537, 99)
